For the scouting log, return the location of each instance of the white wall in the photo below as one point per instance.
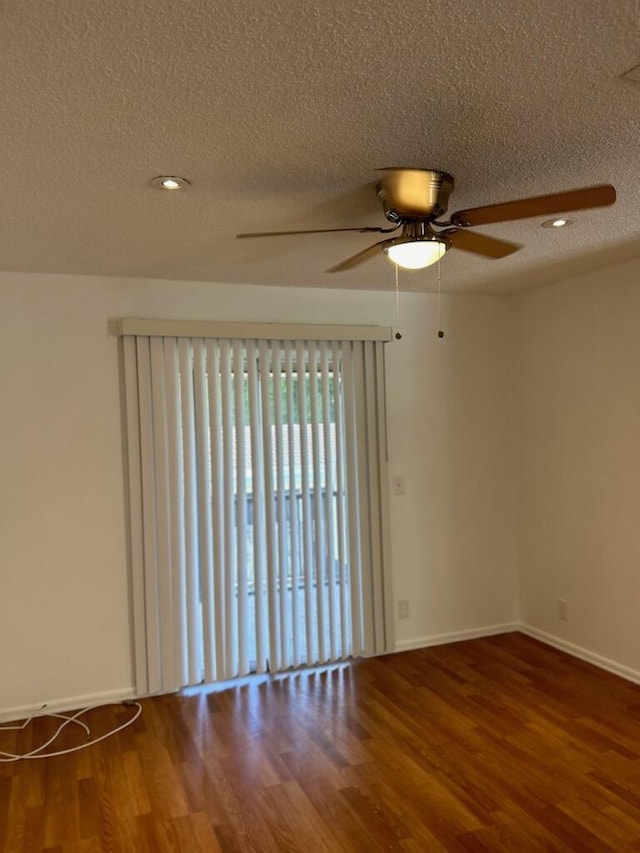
(578, 371)
(64, 632)
(452, 430)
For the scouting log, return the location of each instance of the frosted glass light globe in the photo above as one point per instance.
(416, 254)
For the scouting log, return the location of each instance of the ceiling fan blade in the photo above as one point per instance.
(543, 205)
(480, 244)
(362, 256)
(363, 230)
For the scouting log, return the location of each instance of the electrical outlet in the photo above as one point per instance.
(563, 610)
(397, 485)
(403, 610)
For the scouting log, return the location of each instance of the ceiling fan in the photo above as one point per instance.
(413, 199)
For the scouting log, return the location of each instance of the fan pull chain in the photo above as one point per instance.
(440, 332)
(398, 335)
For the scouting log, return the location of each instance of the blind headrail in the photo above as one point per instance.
(252, 331)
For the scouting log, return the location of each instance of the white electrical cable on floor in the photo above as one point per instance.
(7, 757)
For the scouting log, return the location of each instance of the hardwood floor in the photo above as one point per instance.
(493, 744)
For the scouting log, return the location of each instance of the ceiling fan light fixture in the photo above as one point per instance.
(416, 254)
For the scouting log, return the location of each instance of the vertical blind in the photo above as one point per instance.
(258, 504)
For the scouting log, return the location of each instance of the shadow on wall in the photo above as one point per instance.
(543, 274)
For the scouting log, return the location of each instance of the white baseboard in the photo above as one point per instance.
(581, 653)
(455, 636)
(111, 696)
(72, 703)
(549, 639)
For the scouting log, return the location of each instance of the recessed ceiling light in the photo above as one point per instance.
(169, 182)
(560, 222)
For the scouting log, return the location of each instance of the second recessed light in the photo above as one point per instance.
(560, 222)
(170, 182)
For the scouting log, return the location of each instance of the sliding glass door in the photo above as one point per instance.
(261, 504)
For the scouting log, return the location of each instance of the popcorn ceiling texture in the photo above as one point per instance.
(279, 112)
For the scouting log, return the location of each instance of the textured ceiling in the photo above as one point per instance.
(280, 111)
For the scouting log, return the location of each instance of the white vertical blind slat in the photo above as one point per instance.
(171, 521)
(258, 500)
(363, 436)
(387, 643)
(217, 506)
(294, 539)
(341, 503)
(192, 613)
(149, 527)
(241, 505)
(135, 529)
(328, 510)
(204, 517)
(273, 609)
(352, 483)
(281, 513)
(165, 519)
(318, 521)
(306, 511)
(373, 491)
(229, 569)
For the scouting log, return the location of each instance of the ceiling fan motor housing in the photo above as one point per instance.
(413, 194)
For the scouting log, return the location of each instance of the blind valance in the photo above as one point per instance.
(250, 331)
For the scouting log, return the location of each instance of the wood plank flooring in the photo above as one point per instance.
(493, 744)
